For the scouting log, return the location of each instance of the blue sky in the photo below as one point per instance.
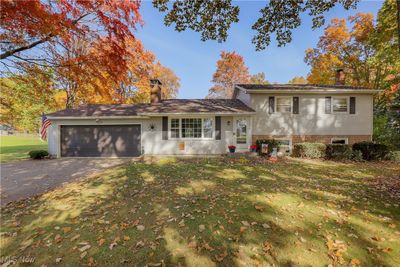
(194, 61)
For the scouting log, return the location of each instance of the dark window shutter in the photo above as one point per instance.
(328, 103)
(295, 105)
(217, 127)
(271, 104)
(352, 105)
(164, 128)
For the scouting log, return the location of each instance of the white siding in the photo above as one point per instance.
(312, 119)
(245, 98)
(152, 143)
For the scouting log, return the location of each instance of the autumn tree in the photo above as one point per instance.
(258, 78)
(26, 96)
(298, 80)
(351, 49)
(231, 70)
(86, 40)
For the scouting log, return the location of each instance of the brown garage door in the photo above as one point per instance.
(100, 141)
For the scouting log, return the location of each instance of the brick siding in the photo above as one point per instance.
(325, 139)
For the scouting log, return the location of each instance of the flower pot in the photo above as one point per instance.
(232, 149)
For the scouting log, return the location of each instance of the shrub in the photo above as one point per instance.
(38, 154)
(338, 152)
(271, 144)
(372, 151)
(394, 155)
(356, 155)
(309, 150)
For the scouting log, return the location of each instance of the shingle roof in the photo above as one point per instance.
(165, 106)
(297, 86)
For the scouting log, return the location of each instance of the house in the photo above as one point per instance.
(286, 112)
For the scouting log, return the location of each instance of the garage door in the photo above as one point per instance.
(100, 141)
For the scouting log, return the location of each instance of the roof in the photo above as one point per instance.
(165, 107)
(298, 86)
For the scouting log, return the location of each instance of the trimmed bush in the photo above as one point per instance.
(271, 144)
(309, 150)
(338, 152)
(394, 155)
(356, 155)
(372, 151)
(38, 154)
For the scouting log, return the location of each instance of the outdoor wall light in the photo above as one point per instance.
(228, 123)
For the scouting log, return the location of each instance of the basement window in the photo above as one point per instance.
(339, 141)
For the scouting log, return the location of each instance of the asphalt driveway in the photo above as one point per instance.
(27, 178)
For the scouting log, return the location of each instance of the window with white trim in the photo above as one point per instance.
(339, 104)
(284, 104)
(208, 128)
(191, 128)
(284, 145)
(174, 128)
(341, 141)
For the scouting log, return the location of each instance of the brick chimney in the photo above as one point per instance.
(340, 77)
(155, 91)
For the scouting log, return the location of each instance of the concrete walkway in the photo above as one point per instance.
(27, 178)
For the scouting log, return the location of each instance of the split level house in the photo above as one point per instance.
(289, 113)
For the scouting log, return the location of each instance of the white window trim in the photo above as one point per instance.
(341, 112)
(284, 139)
(346, 140)
(191, 138)
(291, 104)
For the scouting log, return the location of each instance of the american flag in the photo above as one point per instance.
(43, 129)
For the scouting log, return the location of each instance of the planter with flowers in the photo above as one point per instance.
(253, 151)
(232, 149)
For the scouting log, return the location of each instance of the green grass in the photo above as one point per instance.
(213, 212)
(17, 147)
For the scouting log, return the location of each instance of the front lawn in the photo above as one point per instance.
(17, 147)
(214, 212)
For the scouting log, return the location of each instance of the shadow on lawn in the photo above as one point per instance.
(230, 212)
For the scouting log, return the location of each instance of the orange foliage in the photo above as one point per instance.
(231, 70)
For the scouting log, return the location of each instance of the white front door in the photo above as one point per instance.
(241, 133)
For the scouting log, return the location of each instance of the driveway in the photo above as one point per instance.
(27, 178)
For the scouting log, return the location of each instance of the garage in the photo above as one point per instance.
(100, 140)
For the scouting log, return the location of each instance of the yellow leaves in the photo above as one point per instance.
(267, 246)
(258, 207)
(336, 248)
(66, 229)
(355, 262)
(101, 241)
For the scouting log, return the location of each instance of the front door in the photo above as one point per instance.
(241, 133)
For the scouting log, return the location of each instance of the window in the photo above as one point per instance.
(339, 104)
(191, 128)
(208, 128)
(284, 104)
(342, 141)
(174, 128)
(284, 146)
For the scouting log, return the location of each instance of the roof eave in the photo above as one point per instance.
(95, 117)
(200, 113)
(313, 91)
